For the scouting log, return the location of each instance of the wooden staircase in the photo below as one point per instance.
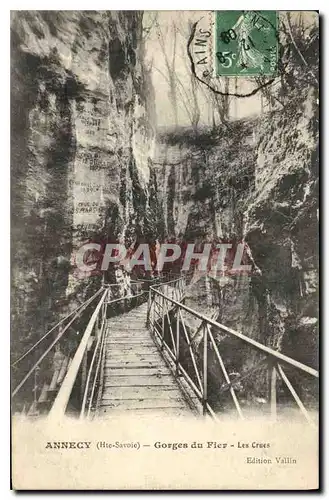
(137, 378)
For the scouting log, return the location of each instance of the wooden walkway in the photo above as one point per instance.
(136, 376)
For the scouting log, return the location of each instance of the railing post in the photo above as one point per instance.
(105, 310)
(149, 305)
(163, 323)
(101, 318)
(205, 369)
(272, 390)
(177, 343)
(98, 324)
(83, 374)
(64, 393)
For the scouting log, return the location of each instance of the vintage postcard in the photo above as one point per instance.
(164, 233)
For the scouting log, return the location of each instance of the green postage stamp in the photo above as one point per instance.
(245, 43)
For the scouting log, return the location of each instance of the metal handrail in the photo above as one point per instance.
(98, 344)
(272, 357)
(64, 393)
(65, 324)
(98, 368)
(58, 337)
(61, 401)
(176, 280)
(23, 356)
(266, 350)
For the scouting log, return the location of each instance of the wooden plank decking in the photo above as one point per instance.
(136, 376)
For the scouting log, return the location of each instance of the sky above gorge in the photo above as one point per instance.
(168, 31)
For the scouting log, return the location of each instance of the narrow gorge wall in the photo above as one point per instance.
(254, 180)
(281, 226)
(82, 135)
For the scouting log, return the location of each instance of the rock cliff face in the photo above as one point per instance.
(281, 226)
(255, 181)
(82, 137)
